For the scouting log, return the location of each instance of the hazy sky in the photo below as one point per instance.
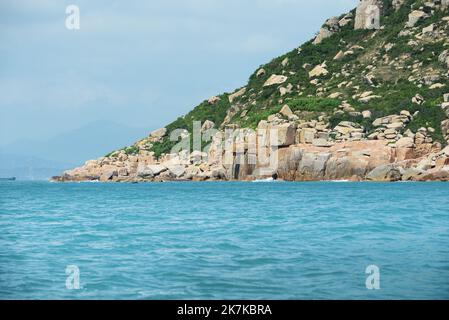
(137, 63)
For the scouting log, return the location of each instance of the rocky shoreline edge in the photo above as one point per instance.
(407, 159)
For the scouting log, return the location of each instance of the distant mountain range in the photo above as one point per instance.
(29, 167)
(38, 160)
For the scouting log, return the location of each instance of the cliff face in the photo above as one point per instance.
(365, 100)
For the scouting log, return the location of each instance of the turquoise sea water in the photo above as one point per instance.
(224, 240)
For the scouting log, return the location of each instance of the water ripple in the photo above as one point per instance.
(224, 240)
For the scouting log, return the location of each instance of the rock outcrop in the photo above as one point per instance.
(275, 79)
(368, 14)
(330, 27)
(415, 16)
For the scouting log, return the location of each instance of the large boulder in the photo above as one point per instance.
(236, 94)
(323, 34)
(340, 55)
(385, 173)
(414, 17)
(405, 143)
(218, 173)
(108, 175)
(176, 171)
(197, 156)
(412, 174)
(286, 134)
(435, 175)
(286, 111)
(275, 79)
(366, 114)
(319, 70)
(150, 171)
(331, 26)
(144, 172)
(207, 125)
(345, 20)
(306, 135)
(159, 133)
(213, 100)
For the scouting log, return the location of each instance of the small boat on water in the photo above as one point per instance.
(8, 179)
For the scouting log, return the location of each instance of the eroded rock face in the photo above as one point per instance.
(342, 161)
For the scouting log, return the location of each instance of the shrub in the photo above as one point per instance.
(313, 104)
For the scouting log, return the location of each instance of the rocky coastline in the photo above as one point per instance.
(301, 153)
(366, 100)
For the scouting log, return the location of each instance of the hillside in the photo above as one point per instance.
(373, 82)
